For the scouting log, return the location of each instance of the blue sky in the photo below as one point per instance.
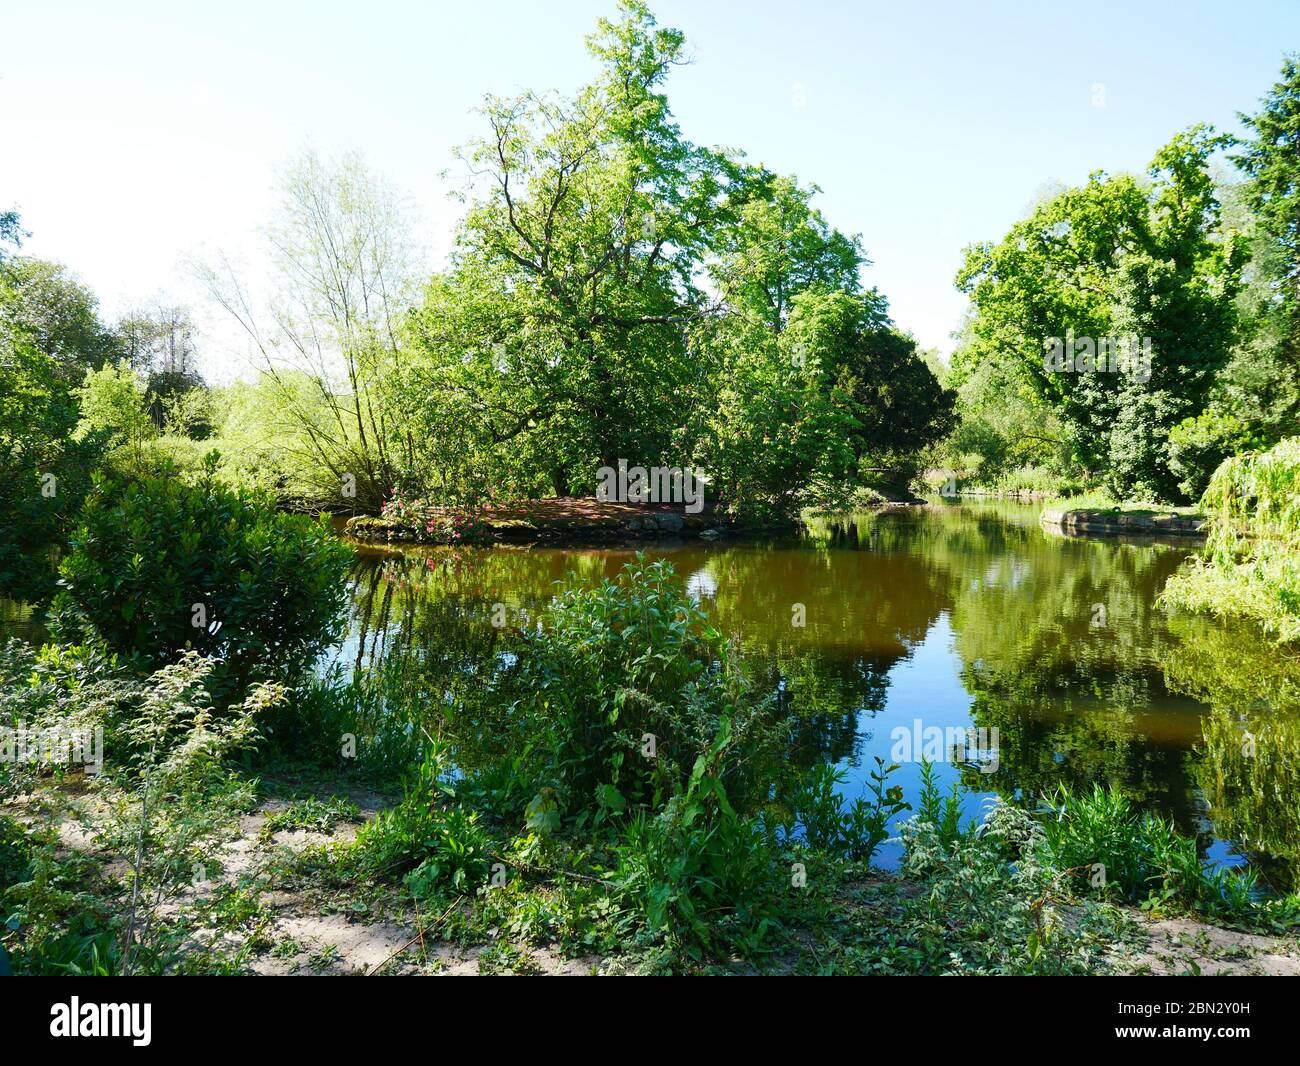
(133, 137)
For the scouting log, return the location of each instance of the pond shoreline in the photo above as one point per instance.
(1141, 525)
(581, 522)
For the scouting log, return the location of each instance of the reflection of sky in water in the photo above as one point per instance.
(904, 611)
(923, 686)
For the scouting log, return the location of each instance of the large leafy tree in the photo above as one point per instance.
(44, 471)
(1271, 162)
(1144, 261)
(558, 336)
(59, 315)
(618, 292)
(1263, 388)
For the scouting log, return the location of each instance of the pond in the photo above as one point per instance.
(890, 633)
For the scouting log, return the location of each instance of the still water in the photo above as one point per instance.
(877, 629)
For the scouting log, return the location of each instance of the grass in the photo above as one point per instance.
(1098, 500)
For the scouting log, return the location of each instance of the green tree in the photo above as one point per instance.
(44, 470)
(558, 338)
(1143, 263)
(1262, 386)
(342, 284)
(112, 403)
(59, 315)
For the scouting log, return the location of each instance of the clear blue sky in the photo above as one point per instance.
(133, 134)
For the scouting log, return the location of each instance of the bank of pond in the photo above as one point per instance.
(912, 740)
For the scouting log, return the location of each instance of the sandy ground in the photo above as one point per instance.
(1180, 946)
(333, 944)
(306, 935)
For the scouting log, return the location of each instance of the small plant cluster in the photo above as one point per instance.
(1112, 851)
(170, 797)
(432, 524)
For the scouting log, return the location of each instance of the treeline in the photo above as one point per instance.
(616, 292)
(1134, 332)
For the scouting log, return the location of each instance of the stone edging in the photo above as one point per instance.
(1169, 524)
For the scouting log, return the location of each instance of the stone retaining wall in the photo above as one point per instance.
(1137, 523)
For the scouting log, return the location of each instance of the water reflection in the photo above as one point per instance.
(956, 615)
(949, 616)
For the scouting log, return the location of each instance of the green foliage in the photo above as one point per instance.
(171, 800)
(58, 913)
(989, 906)
(575, 326)
(1108, 848)
(112, 405)
(44, 469)
(1116, 259)
(1199, 445)
(624, 686)
(58, 314)
(369, 722)
(942, 813)
(178, 800)
(311, 815)
(270, 585)
(832, 394)
(697, 869)
(1251, 563)
(1271, 162)
(441, 843)
(820, 818)
(1007, 437)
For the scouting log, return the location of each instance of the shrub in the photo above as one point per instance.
(159, 566)
(991, 905)
(364, 722)
(426, 522)
(171, 800)
(624, 686)
(698, 869)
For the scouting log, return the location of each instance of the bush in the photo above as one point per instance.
(441, 844)
(698, 870)
(159, 566)
(625, 686)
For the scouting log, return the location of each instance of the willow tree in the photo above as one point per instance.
(342, 282)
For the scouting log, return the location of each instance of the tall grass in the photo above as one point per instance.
(1112, 850)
